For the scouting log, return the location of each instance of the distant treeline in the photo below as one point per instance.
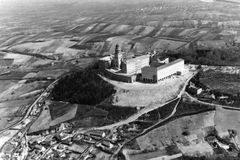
(230, 56)
(214, 157)
(83, 87)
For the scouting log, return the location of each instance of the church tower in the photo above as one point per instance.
(118, 56)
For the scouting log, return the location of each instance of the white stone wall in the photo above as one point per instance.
(136, 64)
(149, 72)
(170, 70)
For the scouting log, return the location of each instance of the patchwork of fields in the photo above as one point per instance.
(64, 36)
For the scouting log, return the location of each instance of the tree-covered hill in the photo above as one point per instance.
(83, 87)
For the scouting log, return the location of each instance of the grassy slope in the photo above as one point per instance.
(42, 123)
(227, 119)
(165, 135)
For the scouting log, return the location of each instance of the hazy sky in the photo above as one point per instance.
(31, 1)
(34, 1)
(12, 2)
(15, 1)
(23, 1)
(6, 4)
(19, 2)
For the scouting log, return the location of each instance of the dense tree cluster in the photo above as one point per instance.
(172, 149)
(226, 56)
(216, 157)
(83, 87)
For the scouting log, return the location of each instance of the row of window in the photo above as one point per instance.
(155, 78)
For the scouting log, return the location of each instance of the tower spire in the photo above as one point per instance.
(117, 49)
(118, 56)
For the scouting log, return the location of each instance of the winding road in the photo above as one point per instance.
(146, 109)
(30, 107)
(149, 129)
(112, 126)
(210, 104)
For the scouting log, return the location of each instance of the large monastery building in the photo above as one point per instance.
(128, 63)
(134, 65)
(126, 66)
(154, 74)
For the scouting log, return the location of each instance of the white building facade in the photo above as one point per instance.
(134, 65)
(154, 74)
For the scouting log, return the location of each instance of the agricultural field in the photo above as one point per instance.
(42, 123)
(61, 112)
(116, 113)
(149, 155)
(173, 132)
(226, 119)
(55, 73)
(12, 111)
(83, 63)
(90, 122)
(5, 84)
(68, 116)
(41, 62)
(222, 82)
(160, 113)
(13, 75)
(86, 114)
(58, 46)
(21, 88)
(77, 114)
(58, 109)
(48, 118)
(90, 111)
(190, 108)
(167, 45)
(18, 59)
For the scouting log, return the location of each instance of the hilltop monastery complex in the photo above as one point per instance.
(127, 67)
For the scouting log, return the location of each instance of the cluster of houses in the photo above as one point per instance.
(63, 141)
(16, 149)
